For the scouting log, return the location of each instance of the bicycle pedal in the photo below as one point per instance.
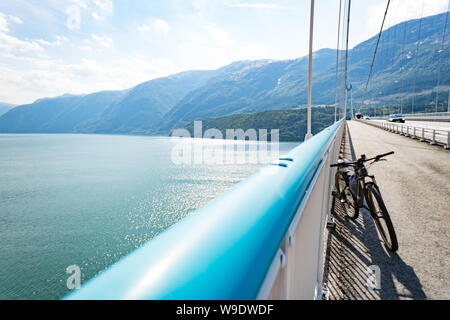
(331, 224)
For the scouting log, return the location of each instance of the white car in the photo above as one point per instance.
(396, 118)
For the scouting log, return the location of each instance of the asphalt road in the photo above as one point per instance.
(415, 185)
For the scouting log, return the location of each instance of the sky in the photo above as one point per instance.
(52, 47)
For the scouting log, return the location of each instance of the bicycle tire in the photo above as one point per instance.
(352, 211)
(381, 217)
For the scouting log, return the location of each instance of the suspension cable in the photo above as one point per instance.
(417, 58)
(342, 55)
(401, 66)
(375, 52)
(440, 58)
(393, 51)
(346, 59)
(337, 61)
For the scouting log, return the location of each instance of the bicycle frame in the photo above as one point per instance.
(362, 186)
(361, 174)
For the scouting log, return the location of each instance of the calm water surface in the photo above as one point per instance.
(90, 199)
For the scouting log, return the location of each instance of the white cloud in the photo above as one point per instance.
(86, 48)
(104, 41)
(105, 5)
(3, 23)
(220, 37)
(200, 4)
(144, 28)
(15, 19)
(10, 44)
(48, 78)
(92, 6)
(257, 5)
(161, 26)
(44, 42)
(59, 40)
(95, 16)
(79, 3)
(254, 51)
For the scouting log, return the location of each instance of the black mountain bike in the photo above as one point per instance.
(352, 189)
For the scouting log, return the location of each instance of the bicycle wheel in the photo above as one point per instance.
(346, 198)
(381, 217)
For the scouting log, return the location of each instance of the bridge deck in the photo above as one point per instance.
(415, 184)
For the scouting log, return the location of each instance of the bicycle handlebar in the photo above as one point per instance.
(362, 160)
(333, 165)
(382, 155)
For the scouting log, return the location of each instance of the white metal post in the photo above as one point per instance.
(346, 60)
(448, 141)
(311, 25)
(351, 100)
(337, 62)
(433, 139)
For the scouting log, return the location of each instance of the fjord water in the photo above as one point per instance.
(87, 200)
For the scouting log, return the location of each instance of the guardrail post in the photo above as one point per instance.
(448, 140)
(433, 138)
(414, 133)
(423, 135)
(407, 131)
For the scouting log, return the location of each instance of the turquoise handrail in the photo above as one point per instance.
(224, 249)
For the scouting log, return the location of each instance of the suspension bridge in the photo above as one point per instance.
(281, 234)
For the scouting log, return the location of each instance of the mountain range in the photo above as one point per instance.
(403, 71)
(5, 107)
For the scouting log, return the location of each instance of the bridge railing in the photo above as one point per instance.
(423, 133)
(262, 239)
(434, 116)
